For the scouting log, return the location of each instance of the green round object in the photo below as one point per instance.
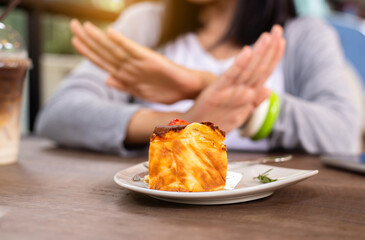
(272, 114)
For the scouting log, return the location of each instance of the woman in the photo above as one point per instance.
(201, 57)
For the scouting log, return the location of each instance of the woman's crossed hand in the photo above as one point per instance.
(133, 68)
(232, 97)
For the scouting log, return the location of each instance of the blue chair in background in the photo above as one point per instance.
(353, 43)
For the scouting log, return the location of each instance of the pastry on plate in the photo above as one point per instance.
(187, 157)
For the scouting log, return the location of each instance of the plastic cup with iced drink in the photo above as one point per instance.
(14, 64)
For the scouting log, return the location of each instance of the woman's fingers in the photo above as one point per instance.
(279, 48)
(274, 61)
(267, 53)
(86, 52)
(128, 45)
(89, 42)
(259, 51)
(268, 62)
(232, 74)
(278, 55)
(277, 31)
(104, 42)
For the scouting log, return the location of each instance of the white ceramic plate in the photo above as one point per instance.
(246, 190)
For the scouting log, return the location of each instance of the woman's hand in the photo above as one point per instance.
(229, 101)
(138, 70)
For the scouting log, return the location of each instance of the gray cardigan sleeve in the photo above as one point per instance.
(85, 112)
(317, 114)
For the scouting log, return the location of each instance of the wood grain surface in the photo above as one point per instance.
(55, 193)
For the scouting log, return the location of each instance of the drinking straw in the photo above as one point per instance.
(9, 8)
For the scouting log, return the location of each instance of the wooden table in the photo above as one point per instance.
(54, 193)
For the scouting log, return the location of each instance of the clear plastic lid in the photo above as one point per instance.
(12, 47)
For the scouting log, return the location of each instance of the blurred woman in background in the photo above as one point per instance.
(213, 60)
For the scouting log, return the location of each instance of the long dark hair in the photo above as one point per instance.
(252, 17)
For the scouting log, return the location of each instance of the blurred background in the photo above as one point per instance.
(44, 26)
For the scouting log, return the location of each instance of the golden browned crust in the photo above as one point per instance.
(189, 158)
(161, 132)
(215, 128)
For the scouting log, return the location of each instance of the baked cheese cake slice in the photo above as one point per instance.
(187, 158)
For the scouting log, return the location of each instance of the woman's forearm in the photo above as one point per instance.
(143, 123)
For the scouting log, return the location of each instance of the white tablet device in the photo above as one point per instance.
(353, 163)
